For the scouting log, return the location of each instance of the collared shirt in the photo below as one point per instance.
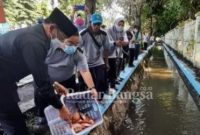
(62, 66)
(94, 53)
(114, 35)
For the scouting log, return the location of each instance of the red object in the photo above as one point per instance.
(2, 13)
(79, 21)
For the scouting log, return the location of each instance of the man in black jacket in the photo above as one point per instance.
(23, 52)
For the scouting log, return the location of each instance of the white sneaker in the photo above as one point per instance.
(105, 99)
(111, 91)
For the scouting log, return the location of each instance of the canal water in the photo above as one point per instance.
(170, 111)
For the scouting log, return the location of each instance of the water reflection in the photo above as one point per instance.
(172, 110)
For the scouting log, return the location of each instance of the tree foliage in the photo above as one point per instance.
(67, 5)
(43, 9)
(20, 11)
(168, 13)
(156, 16)
(25, 11)
(132, 10)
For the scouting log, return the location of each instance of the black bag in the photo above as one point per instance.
(98, 46)
(93, 38)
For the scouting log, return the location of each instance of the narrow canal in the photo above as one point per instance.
(171, 111)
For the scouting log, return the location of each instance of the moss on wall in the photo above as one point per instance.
(199, 27)
(197, 14)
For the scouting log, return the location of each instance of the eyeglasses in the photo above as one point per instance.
(97, 24)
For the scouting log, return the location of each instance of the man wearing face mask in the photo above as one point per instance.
(118, 36)
(63, 60)
(23, 52)
(95, 44)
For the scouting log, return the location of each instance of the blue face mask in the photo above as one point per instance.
(70, 49)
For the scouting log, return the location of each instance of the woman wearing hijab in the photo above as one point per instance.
(118, 36)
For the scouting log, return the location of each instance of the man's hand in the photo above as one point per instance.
(124, 43)
(118, 43)
(65, 114)
(60, 89)
(94, 93)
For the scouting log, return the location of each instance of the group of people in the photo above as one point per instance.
(56, 50)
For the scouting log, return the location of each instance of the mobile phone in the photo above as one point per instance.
(80, 7)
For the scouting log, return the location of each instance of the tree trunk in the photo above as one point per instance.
(137, 20)
(151, 25)
(91, 4)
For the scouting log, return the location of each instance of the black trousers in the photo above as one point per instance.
(132, 55)
(137, 50)
(125, 56)
(145, 45)
(119, 64)
(71, 83)
(11, 118)
(99, 76)
(112, 75)
(41, 104)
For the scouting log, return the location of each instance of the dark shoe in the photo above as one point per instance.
(117, 82)
(113, 86)
(131, 65)
(121, 79)
(1, 130)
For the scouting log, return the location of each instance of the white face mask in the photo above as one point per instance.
(56, 38)
(57, 41)
(119, 28)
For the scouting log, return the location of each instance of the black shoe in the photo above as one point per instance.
(121, 79)
(131, 65)
(1, 130)
(117, 82)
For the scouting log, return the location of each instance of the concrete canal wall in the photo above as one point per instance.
(185, 38)
(115, 115)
